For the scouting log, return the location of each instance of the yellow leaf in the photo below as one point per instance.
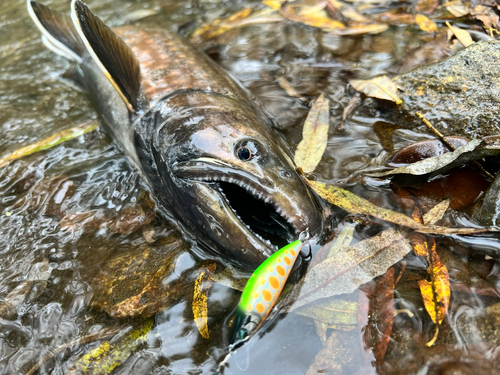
(375, 28)
(462, 35)
(425, 23)
(381, 87)
(436, 292)
(201, 288)
(314, 136)
(274, 4)
(348, 11)
(49, 142)
(353, 204)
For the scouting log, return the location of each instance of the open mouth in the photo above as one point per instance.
(263, 219)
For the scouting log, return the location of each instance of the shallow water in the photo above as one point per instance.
(90, 175)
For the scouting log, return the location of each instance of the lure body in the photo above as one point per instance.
(262, 291)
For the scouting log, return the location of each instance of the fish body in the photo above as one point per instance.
(210, 155)
(261, 293)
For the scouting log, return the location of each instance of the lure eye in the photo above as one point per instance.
(248, 149)
(242, 334)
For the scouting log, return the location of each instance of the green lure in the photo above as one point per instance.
(261, 292)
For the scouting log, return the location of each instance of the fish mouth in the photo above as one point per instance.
(250, 199)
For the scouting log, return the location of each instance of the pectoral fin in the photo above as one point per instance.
(58, 32)
(117, 61)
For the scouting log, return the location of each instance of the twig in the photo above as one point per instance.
(448, 144)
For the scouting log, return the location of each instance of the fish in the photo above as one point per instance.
(207, 150)
(261, 293)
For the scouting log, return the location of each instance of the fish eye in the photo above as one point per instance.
(248, 149)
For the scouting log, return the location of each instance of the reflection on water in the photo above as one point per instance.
(72, 217)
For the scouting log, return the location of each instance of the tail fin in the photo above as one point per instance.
(58, 32)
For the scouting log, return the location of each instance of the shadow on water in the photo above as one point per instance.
(80, 234)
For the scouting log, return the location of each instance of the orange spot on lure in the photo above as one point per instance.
(261, 292)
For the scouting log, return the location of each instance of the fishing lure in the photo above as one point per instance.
(261, 293)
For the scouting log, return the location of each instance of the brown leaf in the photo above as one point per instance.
(201, 288)
(425, 23)
(462, 35)
(356, 205)
(377, 332)
(426, 6)
(312, 15)
(354, 266)
(381, 87)
(314, 136)
(436, 292)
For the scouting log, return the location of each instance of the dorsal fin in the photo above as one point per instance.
(58, 31)
(112, 55)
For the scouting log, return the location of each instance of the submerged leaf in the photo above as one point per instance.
(314, 136)
(436, 292)
(49, 142)
(381, 87)
(111, 354)
(425, 23)
(377, 332)
(201, 288)
(332, 311)
(374, 28)
(354, 266)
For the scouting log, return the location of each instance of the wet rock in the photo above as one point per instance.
(142, 281)
(459, 95)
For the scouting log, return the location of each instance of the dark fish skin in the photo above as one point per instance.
(183, 135)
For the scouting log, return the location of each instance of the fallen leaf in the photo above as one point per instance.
(375, 28)
(457, 8)
(241, 18)
(425, 23)
(487, 16)
(314, 136)
(112, 353)
(290, 90)
(462, 35)
(348, 11)
(381, 87)
(332, 311)
(274, 4)
(49, 142)
(354, 204)
(436, 292)
(436, 213)
(227, 278)
(377, 332)
(354, 266)
(201, 288)
(426, 6)
(313, 16)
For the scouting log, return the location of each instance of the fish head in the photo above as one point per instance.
(230, 177)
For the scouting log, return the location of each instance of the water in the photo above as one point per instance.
(65, 211)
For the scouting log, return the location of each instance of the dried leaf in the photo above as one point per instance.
(381, 87)
(377, 332)
(313, 16)
(111, 354)
(314, 136)
(462, 35)
(436, 213)
(436, 292)
(348, 11)
(239, 19)
(49, 142)
(375, 28)
(457, 8)
(356, 205)
(425, 23)
(426, 6)
(201, 288)
(354, 266)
